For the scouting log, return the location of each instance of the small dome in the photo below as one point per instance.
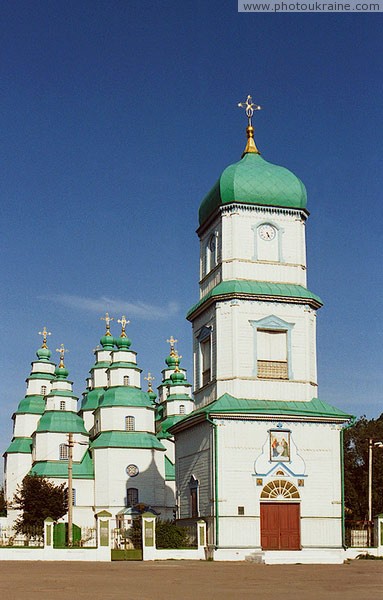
(172, 361)
(123, 343)
(253, 180)
(61, 372)
(43, 354)
(107, 342)
(177, 377)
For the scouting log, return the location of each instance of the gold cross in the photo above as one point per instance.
(44, 333)
(124, 322)
(62, 351)
(249, 107)
(177, 361)
(107, 320)
(172, 341)
(149, 378)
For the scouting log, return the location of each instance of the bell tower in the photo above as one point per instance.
(254, 333)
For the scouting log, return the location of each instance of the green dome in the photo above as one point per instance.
(43, 354)
(172, 361)
(253, 180)
(61, 372)
(177, 377)
(107, 342)
(123, 343)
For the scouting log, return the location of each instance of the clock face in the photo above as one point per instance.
(132, 470)
(267, 232)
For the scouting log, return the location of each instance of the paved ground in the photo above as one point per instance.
(187, 580)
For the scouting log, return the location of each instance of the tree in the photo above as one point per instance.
(356, 468)
(3, 503)
(38, 498)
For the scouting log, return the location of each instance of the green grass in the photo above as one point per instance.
(135, 554)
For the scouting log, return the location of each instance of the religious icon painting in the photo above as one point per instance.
(279, 446)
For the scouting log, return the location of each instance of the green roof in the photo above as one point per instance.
(125, 395)
(163, 433)
(127, 439)
(31, 404)
(51, 468)
(91, 399)
(170, 471)
(227, 404)
(253, 180)
(22, 445)
(49, 376)
(244, 287)
(61, 421)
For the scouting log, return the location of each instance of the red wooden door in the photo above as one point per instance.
(280, 526)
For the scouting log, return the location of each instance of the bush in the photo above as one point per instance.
(168, 535)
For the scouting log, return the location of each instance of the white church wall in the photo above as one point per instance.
(34, 386)
(46, 445)
(113, 418)
(111, 483)
(116, 377)
(244, 461)
(99, 377)
(237, 360)
(17, 466)
(25, 424)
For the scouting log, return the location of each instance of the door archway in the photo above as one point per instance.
(280, 516)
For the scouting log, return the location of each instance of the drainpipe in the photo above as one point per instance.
(215, 449)
(353, 419)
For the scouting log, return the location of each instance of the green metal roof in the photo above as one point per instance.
(48, 376)
(125, 395)
(91, 399)
(253, 180)
(127, 439)
(228, 404)
(22, 445)
(170, 471)
(61, 421)
(59, 469)
(31, 404)
(244, 287)
(163, 433)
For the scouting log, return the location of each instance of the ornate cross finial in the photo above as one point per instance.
(44, 333)
(249, 107)
(107, 320)
(172, 341)
(177, 361)
(149, 378)
(124, 322)
(62, 350)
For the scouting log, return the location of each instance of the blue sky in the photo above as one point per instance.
(118, 117)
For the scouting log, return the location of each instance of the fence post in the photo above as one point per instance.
(48, 533)
(103, 529)
(148, 536)
(201, 534)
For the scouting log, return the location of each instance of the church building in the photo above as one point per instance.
(253, 451)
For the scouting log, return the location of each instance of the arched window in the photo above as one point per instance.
(43, 390)
(279, 489)
(194, 496)
(63, 452)
(131, 497)
(211, 253)
(182, 409)
(130, 423)
(62, 404)
(126, 380)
